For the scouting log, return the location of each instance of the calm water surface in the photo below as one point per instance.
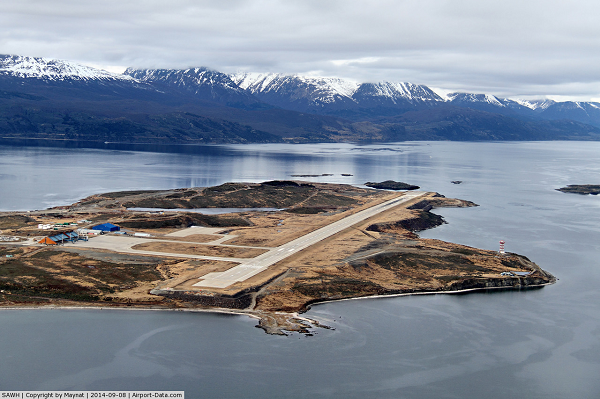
(532, 344)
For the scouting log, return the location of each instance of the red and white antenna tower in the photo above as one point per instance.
(501, 250)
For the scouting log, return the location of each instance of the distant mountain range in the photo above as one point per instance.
(51, 99)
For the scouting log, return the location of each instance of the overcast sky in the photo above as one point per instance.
(510, 48)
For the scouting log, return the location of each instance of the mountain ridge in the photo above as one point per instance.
(52, 69)
(56, 99)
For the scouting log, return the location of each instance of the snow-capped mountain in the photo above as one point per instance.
(47, 98)
(390, 94)
(491, 102)
(54, 70)
(57, 79)
(202, 83)
(52, 99)
(475, 99)
(323, 95)
(536, 105)
(331, 95)
(297, 92)
(585, 112)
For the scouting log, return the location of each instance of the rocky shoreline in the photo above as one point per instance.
(381, 256)
(282, 323)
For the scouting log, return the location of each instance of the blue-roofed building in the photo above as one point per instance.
(60, 238)
(73, 236)
(106, 227)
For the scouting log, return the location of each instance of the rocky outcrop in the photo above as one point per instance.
(392, 185)
(439, 201)
(583, 189)
(506, 282)
(422, 220)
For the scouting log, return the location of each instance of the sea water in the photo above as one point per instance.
(542, 343)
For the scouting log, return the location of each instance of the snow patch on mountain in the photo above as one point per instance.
(476, 98)
(319, 89)
(404, 91)
(324, 90)
(53, 70)
(535, 104)
(296, 92)
(184, 77)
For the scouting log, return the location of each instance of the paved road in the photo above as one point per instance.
(260, 263)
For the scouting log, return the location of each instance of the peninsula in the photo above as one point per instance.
(268, 250)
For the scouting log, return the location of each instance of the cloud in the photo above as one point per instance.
(509, 47)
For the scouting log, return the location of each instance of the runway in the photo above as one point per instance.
(252, 267)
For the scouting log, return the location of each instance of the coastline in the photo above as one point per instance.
(453, 292)
(364, 246)
(301, 324)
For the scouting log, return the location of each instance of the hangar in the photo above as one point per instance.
(60, 238)
(106, 227)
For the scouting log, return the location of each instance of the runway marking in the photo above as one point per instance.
(262, 262)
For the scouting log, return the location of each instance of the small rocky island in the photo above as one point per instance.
(392, 185)
(177, 258)
(583, 189)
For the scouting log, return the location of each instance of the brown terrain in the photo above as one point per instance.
(382, 255)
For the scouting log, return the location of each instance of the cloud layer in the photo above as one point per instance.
(524, 48)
